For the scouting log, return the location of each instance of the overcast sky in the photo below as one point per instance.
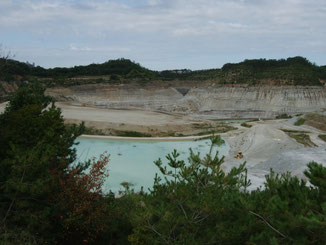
(162, 34)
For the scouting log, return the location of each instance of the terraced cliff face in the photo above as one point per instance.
(210, 101)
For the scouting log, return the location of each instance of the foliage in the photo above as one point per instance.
(200, 204)
(301, 138)
(291, 131)
(299, 122)
(29, 95)
(218, 129)
(34, 145)
(128, 133)
(18, 236)
(291, 71)
(194, 197)
(322, 136)
(94, 131)
(113, 68)
(246, 125)
(81, 209)
(283, 116)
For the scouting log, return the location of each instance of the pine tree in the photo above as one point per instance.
(36, 155)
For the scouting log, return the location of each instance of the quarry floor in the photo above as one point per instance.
(264, 145)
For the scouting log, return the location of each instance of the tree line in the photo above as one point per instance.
(290, 71)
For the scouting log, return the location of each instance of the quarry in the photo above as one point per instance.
(182, 110)
(254, 105)
(205, 100)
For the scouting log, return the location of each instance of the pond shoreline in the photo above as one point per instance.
(108, 137)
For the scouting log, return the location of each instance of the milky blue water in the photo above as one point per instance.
(132, 161)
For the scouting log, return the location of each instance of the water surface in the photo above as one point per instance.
(132, 161)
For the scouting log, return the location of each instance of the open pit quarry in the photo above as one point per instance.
(209, 101)
(264, 146)
(185, 109)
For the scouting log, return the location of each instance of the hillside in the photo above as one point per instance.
(291, 71)
(120, 67)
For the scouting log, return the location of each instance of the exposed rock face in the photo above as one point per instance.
(212, 101)
(7, 88)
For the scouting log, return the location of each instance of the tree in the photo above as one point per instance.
(191, 205)
(200, 204)
(4, 56)
(36, 155)
(81, 208)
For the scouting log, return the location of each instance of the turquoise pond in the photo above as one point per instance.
(133, 161)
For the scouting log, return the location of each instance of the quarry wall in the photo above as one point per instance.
(211, 101)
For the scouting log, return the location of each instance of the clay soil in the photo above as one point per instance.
(111, 121)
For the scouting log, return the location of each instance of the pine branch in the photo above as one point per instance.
(13, 200)
(274, 229)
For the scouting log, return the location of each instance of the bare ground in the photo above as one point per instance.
(155, 123)
(264, 145)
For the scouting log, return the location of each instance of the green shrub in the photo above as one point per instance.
(283, 116)
(94, 131)
(198, 203)
(299, 122)
(131, 133)
(246, 125)
(322, 136)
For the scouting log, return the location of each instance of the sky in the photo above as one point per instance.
(162, 34)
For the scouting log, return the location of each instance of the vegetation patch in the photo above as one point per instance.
(300, 121)
(291, 71)
(316, 120)
(95, 131)
(246, 125)
(322, 136)
(222, 128)
(295, 131)
(283, 116)
(301, 137)
(171, 133)
(126, 133)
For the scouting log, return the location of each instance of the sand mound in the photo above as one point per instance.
(264, 146)
(259, 143)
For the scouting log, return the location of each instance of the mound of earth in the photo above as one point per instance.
(264, 146)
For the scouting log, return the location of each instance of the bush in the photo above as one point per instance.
(283, 116)
(299, 122)
(322, 136)
(246, 125)
(131, 133)
(200, 204)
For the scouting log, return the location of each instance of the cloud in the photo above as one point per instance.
(147, 28)
(73, 47)
(108, 16)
